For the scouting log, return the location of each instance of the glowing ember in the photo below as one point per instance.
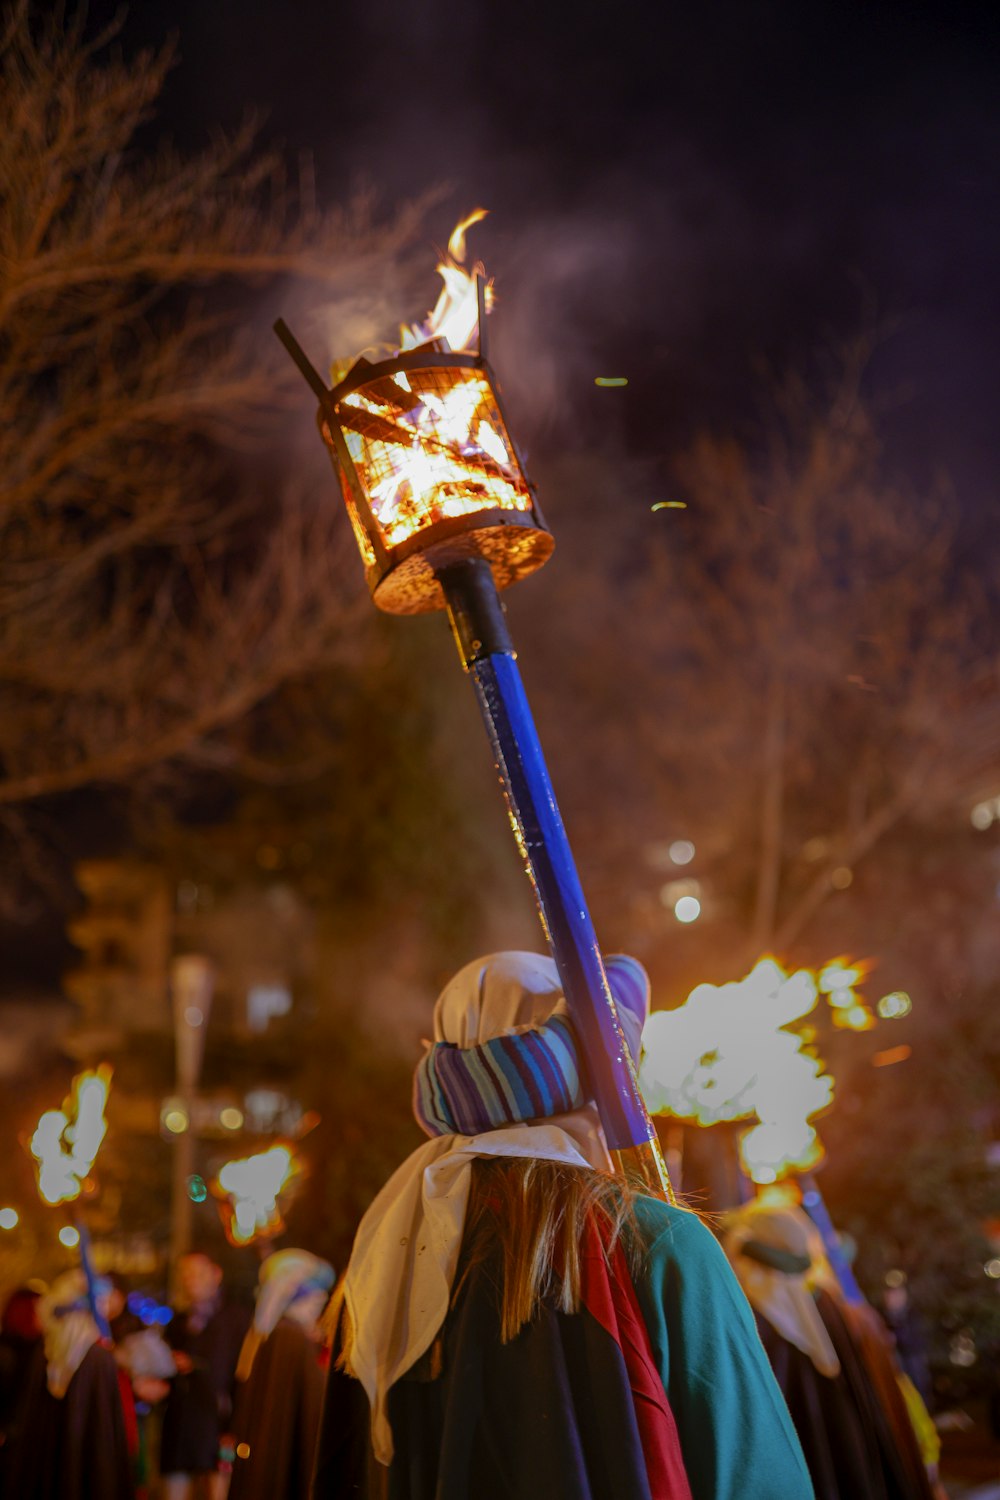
(728, 1054)
(253, 1186)
(66, 1141)
(430, 451)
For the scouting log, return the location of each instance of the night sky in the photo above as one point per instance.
(676, 192)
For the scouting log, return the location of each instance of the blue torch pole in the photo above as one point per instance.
(815, 1206)
(90, 1274)
(477, 619)
(487, 653)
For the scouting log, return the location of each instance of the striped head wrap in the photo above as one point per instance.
(505, 1050)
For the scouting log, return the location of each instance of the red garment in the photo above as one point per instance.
(611, 1301)
(128, 1412)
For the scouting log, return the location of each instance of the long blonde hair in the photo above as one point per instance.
(537, 1211)
(531, 1214)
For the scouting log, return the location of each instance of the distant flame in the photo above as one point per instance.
(253, 1186)
(728, 1054)
(455, 317)
(839, 981)
(81, 1127)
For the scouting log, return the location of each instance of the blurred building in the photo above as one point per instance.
(125, 936)
(202, 1003)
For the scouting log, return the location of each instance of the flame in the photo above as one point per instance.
(728, 1054)
(253, 1186)
(455, 317)
(81, 1125)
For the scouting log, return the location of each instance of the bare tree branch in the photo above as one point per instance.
(159, 576)
(793, 673)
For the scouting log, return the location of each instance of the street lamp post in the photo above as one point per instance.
(445, 517)
(191, 983)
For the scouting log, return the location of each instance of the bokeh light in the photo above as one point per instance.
(687, 909)
(984, 814)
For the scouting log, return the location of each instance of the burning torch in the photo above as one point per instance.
(249, 1190)
(732, 1052)
(65, 1146)
(445, 517)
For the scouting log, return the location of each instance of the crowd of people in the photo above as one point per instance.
(88, 1415)
(514, 1321)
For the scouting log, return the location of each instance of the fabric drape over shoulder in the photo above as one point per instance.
(572, 1406)
(403, 1263)
(277, 1418)
(74, 1447)
(557, 1412)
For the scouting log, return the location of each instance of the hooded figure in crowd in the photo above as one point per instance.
(852, 1422)
(516, 1322)
(205, 1335)
(279, 1380)
(20, 1341)
(73, 1443)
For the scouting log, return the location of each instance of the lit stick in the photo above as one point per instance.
(65, 1144)
(731, 1052)
(250, 1189)
(444, 517)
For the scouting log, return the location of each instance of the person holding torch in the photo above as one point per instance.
(73, 1443)
(515, 1320)
(518, 1320)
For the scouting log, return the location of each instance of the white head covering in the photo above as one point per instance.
(784, 1298)
(511, 992)
(284, 1277)
(69, 1329)
(398, 1282)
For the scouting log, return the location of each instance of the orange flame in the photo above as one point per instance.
(728, 1053)
(455, 317)
(81, 1126)
(429, 443)
(253, 1186)
(431, 448)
